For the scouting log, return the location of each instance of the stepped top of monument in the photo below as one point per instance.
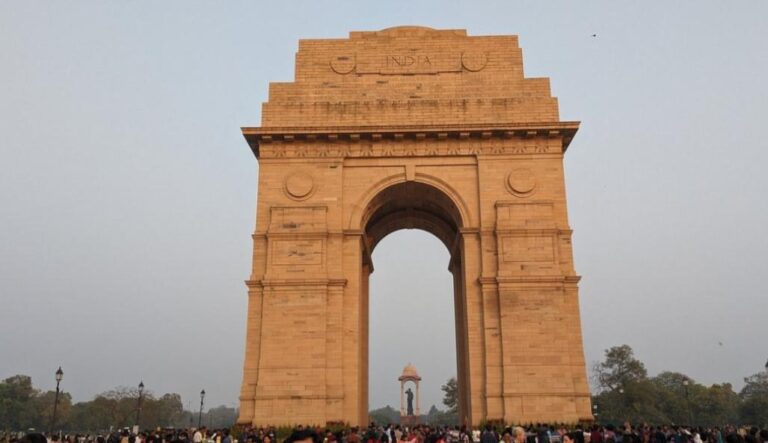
(409, 75)
(409, 82)
(407, 31)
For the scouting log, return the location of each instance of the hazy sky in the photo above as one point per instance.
(127, 194)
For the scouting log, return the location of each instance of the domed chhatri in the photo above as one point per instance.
(409, 373)
(409, 415)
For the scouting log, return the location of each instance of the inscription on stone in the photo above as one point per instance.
(405, 61)
(291, 252)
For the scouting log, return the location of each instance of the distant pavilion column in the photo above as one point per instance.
(417, 409)
(402, 397)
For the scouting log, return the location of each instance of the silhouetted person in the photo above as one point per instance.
(302, 436)
(34, 437)
(409, 394)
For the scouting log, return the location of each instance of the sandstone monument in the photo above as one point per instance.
(412, 128)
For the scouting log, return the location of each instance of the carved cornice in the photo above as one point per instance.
(529, 280)
(299, 282)
(472, 139)
(528, 232)
(540, 394)
(525, 279)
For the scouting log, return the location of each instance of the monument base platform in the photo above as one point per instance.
(410, 420)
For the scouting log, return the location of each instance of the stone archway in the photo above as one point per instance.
(418, 205)
(412, 128)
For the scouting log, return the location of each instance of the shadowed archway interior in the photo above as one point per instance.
(412, 205)
(416, 205)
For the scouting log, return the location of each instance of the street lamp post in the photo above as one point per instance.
(623, 404)
(200, 414)
(688, 402)
(59, 377)
(594, 411)
(138, 405)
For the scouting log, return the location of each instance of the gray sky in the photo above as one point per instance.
(127, 194)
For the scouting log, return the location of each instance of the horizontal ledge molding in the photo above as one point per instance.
(524, 232)
(524, 128)
(527, 279)
(288, 134)
(298, 282)
(297, 397)
(540, 394)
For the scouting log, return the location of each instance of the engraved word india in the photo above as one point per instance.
(407, 128)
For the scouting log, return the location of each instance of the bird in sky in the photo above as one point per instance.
(594, 35)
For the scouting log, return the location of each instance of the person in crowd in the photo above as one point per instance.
(34, 437)
(488, 435)
(302, 436)
(519, 434)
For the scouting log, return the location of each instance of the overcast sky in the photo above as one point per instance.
(127, 194)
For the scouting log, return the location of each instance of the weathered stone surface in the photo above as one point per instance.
(412, 128)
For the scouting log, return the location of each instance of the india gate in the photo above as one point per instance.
(412, 128)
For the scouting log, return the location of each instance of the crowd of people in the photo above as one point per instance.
(626, 433)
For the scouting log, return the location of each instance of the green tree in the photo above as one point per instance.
(754, 395)
(634, 402)
(754, 411)
(385, 415)
(17, 407)
(165, 411)
(43, 403)
(220, 417)
(86, 416)
(670, 393)
(451, 396)
(619, 369)
(440, 418)
(755, 385)
(715, 405)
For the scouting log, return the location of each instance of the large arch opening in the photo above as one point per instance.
(414, 205)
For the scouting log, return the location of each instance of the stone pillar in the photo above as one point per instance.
(475, 379)
(417, 409)
(402, 397)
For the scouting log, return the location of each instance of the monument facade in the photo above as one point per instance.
(412, 128)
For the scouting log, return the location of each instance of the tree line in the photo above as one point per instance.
(623, 390)
(22, 407)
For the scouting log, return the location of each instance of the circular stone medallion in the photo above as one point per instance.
(343, 64)
(473, 61)
(521, 182)
(299, 186)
